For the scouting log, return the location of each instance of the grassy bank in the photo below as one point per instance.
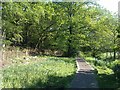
(44, 72)
(105, 74)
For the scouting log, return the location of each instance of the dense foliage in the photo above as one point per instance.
(67, 27)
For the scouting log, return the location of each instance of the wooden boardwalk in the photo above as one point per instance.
(85, 77)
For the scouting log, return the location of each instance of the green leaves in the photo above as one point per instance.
(59, 25)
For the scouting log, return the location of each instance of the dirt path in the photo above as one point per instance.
(85, 77)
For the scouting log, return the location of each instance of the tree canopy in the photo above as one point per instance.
(68, 27)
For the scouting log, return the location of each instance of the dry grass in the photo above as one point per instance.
(12, 55)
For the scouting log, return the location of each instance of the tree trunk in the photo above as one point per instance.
(114, 50)
(114, 55)
(70, 47)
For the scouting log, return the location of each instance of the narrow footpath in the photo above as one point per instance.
(85, 77)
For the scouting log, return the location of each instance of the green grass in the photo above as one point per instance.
(105, 75)
(107, 81)
(0, 78)
(49, 72)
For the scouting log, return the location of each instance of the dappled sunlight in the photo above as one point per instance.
(48, 44)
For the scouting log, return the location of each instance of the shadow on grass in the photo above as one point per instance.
(52, 82)
(68, 60)
(56, 58)
(82, 79)
(108, 81)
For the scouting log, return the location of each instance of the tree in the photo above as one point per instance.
(60, 26)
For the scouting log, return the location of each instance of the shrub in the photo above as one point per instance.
(116, 69)
(115, 66)
(103, 70)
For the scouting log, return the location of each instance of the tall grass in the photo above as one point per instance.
(52, 72)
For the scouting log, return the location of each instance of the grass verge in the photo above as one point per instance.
(105, 74)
